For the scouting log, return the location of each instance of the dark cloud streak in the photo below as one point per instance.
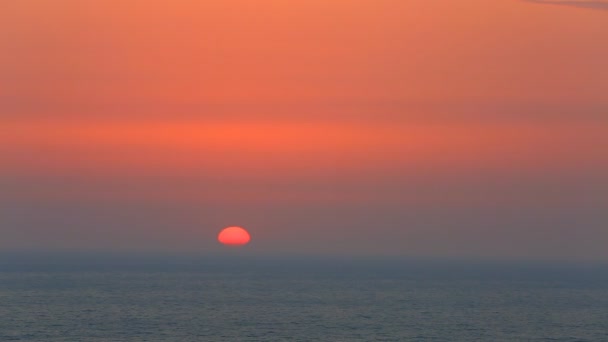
(597, 5)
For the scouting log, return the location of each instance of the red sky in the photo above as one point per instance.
(424, 128)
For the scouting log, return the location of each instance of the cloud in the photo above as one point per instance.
(598, 5)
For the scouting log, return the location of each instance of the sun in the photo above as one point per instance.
(234, 236)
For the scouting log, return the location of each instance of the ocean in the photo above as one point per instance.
(300, 299)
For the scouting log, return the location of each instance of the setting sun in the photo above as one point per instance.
(234, 236)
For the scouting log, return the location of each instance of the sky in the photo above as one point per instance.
(414, 128)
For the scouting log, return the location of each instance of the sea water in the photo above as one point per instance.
(275, 299)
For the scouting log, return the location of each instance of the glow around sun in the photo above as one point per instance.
(234, 236)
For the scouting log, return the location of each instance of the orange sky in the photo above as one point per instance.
(378, 109)
(118, 53)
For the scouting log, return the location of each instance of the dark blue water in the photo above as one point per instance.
(300, 300)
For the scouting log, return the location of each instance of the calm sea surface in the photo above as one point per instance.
(301, 300)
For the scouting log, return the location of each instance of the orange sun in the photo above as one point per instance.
(234, 236)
